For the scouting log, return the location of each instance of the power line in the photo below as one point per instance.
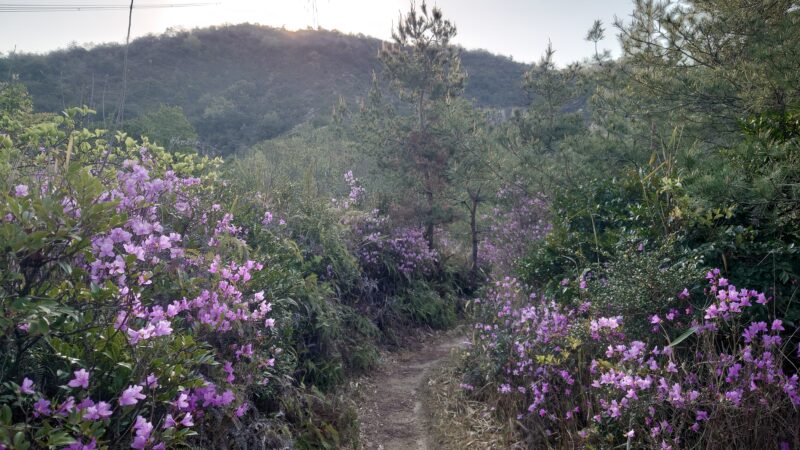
(121, 112)
(21, 7)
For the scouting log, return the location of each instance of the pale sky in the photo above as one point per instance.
(519, 28)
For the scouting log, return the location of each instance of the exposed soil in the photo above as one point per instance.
(390, 407)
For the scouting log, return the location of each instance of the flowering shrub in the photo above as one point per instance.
(149, 303)
(128, 312)
(572, 375)
(356, 192)
(398, 268)
(516, 223)
(382, 248)
(411, 252)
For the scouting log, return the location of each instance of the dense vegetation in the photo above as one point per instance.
(660, 307)
(628, 270)
(237, 85)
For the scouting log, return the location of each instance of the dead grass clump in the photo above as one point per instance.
(457, 422)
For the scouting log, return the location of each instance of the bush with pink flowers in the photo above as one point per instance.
(139, 312)
(710, 374)
(129, 314)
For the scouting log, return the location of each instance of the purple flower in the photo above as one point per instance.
(169, 422)
(655, 319)
(162, 328)
(79, 445)
(734, 396)
(187, 420)
(228, 368)
(118, 235)
(241, 410)
(41, 408)
(66, 408)
(105, 247)
(142, 429)
(139, 443)
(752, 331)
(152, 381)
(182, 401)
(27, 383)
(81, 379)
(21, 190)
(101, 410)
(131, 395)
(227, 398)
(733, 373)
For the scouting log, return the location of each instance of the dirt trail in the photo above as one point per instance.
(390, 409)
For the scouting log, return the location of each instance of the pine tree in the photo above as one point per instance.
(416, 142)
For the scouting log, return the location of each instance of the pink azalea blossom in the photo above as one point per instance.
(101, 410)
(169, 422)
(142, 429)
(187, 420)
(26, 387)
(655, 319)
(79, 445)
(41, 408)
(131, 395)
(80, 380)
(241, 410)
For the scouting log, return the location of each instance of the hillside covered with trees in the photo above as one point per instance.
(238, 84)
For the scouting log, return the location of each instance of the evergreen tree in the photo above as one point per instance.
(415, 143)
(534, 139)
(717, 62)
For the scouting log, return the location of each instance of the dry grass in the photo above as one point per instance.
(459, 423)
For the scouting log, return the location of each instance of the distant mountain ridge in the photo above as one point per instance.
(237, 84)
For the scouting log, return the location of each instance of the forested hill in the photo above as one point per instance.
(237, 84)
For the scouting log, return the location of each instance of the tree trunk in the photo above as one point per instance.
(429, 233)
(473, 229)
(429, 225)
(475, 199)
(419, 111)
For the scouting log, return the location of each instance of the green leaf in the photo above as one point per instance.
(5, 415)
(19, 440)
(57, 438)
(683, 336)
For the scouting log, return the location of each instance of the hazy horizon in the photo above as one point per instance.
(517, 28)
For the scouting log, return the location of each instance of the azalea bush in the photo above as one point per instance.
(709, 374)
(129, 312)
(403, 281)
(139, 312)
(517, 221)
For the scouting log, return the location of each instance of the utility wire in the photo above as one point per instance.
(21, 7)
(121, 111)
